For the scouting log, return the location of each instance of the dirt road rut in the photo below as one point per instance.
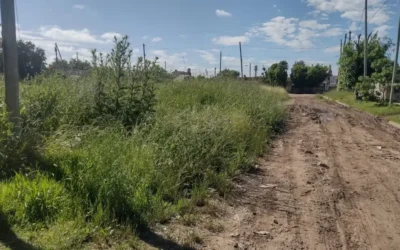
(331, 182)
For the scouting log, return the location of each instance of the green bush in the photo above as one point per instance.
(111, 173)
(33, 200)
(113, 155)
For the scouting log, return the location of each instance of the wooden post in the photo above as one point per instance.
(395, 65)
(349, 36)
(366, 40)
(220, 61)
(241, 59)
(250, 70)
(11, 74)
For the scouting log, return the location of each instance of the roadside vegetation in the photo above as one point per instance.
(101, 158)
(391, 113)
(376, 86)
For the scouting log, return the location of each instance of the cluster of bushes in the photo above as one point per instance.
(118, 147)
(379, 67)
(303, 77)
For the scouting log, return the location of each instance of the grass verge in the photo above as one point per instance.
(391, 113)
(97, 183)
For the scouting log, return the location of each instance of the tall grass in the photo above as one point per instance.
(203, 133)
(85, 159)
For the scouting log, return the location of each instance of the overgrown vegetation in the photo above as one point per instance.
(308, 77)
(379, 67)
(303, 78)
(31, 62)
(391, 113)
(121, 149)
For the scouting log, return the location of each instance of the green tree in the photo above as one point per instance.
(316, 75)
(60, 65)
(76, 64)
(299, 75)
(31, 59)
(351, 63)
(228, 73)
(277, 73)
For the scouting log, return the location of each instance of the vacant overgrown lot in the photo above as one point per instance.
(101, 159)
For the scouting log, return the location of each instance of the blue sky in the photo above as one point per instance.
(191, 33)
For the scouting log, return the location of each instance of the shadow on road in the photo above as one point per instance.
(159, 242)
(9, 239)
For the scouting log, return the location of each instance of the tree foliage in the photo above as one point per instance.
(31, 59)
(351, 63)
(124, 92)
(299, 74)
(228, 73)
(277, 74)
(73, 65)
(306, 77)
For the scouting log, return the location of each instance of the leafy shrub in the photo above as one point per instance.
(111, 173)
(122, 91)
(33, 200)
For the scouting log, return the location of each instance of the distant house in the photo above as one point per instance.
(382, 92)
(181, 75)
(331, 81)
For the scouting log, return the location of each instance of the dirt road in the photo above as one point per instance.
(331, 182)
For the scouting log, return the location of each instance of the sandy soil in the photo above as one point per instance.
(332, 181)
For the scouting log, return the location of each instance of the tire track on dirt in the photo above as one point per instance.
(332, 181)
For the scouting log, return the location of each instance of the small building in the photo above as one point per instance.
(384, 92)
(175, 74)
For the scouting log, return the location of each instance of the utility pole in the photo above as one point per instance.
(350, 37)
(241, 59)
(340, 56)
(77, 57)
(366, 40)
(165, 65)
(215, 71)
(144, 54)
(395, 64)
(341, 48)
(55, 50)
(255, 71)
(250, 70)
(11, 74)
(220, 61)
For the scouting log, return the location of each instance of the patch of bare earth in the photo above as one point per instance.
(331, 182)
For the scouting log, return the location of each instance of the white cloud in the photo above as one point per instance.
(208, 56)
(156, 39)
(230, 40)
(78, 6)
(174, 61)
(382, 30)
(183, 36)
(69, 41)
(145, 37)
(353, 10)
(313, 24)
(58, 34)
(109, 36)
(292, 33)
(353, 27)
(222, 13)
(332, 32)
(274, 5)
(334, 49)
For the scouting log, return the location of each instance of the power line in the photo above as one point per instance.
(359, 23)
(378, 10)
